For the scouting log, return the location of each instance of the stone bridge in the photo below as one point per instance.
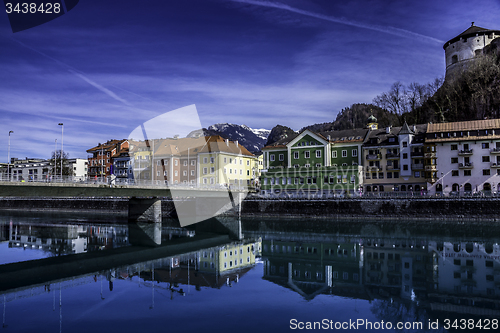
(192, 204)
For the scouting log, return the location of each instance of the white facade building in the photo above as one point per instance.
(468, 156)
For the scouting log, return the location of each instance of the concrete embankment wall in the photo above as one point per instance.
(404, 208)
(346, 208)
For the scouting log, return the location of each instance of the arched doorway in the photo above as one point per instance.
(468, 187)
(486, 187)
(368, 189)
(455, 187)
(403, 188)
(439, 188)
(417, 188)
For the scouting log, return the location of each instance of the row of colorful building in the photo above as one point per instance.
(200, 161)
(444, 158)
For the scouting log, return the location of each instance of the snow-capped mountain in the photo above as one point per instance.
(251, 139)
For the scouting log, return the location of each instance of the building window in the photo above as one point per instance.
(417, 174)
(486, 172)
(272, 157)
(212, 160)
(307, 154)
(389, 175)
(396, 174)
(454, 160)
(454, 173)
(467, 172)
(485, 145)
(454, 147)
(296, 155)
(334, 154)
(354, 153)
(185, 163)
(282, 158)
(212, 170)
(405, 167)
(486, 158)
(344, 153)
(405, 144)
(318, 153)
(184, 173)
(405, 155)
(205, 171)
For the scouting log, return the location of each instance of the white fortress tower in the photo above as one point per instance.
(465, 47)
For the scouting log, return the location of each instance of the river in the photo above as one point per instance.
(77, 273)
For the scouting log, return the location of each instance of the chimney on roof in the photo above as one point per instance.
(176, 136)
(227, 142)
(388, 130)
(236, 143)
(414, 128)
(328, 137)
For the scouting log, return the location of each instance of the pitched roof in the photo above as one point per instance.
(464, 126)
(189, 146)
(383, 137)
(469, 32)
(405, 129)
(346, 136)
(108, 146)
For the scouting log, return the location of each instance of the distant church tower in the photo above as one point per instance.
(459, 51)
(372, 123)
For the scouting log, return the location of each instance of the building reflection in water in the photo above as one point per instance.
(212, 267)
(451, 277)
(405, 276)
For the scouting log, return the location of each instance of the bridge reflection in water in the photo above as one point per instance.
(398, 273)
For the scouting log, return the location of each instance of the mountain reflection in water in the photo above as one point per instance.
(255, 275)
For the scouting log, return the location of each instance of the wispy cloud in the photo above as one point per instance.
(385, 29)
(98, 86)
(76, 73)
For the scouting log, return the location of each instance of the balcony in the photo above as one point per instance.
(495, 151)
(418, 166)
(392, 156)
(465, 152)
(417, 154)
(465, 165)
(392, 167)
(431, 168)
(430, 155)
(374, 156)
(374, 168)
(495, 165)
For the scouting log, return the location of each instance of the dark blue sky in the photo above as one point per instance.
(105, 67)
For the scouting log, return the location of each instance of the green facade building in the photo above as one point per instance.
(324, 163)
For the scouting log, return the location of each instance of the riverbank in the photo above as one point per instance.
(377, 208)
(373, 208)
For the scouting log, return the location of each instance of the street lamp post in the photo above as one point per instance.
(62, 147)
(8, 157)
(55, 161)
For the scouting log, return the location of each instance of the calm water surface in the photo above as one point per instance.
(248, 276)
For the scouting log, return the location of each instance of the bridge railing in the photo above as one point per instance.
(122, 182)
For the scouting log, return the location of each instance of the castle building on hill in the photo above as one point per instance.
(466, 47)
